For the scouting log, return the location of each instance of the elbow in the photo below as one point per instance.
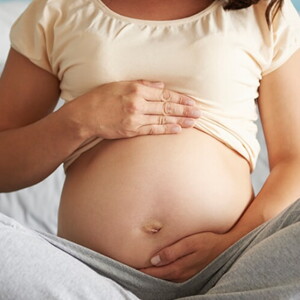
(287, 161)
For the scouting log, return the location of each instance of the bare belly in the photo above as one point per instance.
(129, 198)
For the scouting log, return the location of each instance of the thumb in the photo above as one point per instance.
(156, 84)
(170, 254)
(174, 252)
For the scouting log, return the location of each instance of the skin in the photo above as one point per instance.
(30, 155)
(279, 108)
(23, 85)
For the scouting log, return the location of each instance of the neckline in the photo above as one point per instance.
(118, 16)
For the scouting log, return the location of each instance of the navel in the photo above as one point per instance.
(152, 226)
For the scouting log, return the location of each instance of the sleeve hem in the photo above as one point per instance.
(36, 62)
(281, 62)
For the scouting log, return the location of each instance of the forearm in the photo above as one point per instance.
(31, 153)
(280, 190)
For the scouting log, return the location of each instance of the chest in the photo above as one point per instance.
(156, 9)
(191, 58)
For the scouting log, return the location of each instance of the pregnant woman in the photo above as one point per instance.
(158, 140)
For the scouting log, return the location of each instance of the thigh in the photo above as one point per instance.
(269, 270)
(262, 265)
(32, 268)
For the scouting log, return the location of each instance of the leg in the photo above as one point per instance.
(269, 270)
(32, 268)
(265, 265)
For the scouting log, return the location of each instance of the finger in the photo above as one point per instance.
(159, 129)
(151, 93)
(162, 120)
(174, 252)
(172, 109)
(179, 271)
(155, 84)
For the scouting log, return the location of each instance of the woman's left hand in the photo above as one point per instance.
(188, 256)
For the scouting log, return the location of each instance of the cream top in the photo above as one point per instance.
(216, 56)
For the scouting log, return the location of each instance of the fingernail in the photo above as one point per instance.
(196, 113)
(188, 122)
(155, 260)
(190, 102)
(176, 129)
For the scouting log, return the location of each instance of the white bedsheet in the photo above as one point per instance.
(37, 206)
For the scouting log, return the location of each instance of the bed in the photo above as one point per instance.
(36, 206)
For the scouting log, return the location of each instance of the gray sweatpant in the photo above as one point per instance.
(265, 264)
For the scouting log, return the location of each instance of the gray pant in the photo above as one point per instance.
(265, 264)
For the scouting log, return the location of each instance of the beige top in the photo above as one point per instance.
(216, 56)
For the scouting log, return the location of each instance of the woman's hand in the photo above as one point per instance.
(131, 108)
(188, 256)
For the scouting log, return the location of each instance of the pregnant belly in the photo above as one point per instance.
(129, 198)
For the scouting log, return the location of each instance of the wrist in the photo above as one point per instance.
(74, 123)
(227, 239)
(242, 228)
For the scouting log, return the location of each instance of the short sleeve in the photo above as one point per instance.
(285, 36)
(29, 35)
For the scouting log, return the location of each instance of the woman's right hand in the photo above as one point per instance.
(130, 108)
